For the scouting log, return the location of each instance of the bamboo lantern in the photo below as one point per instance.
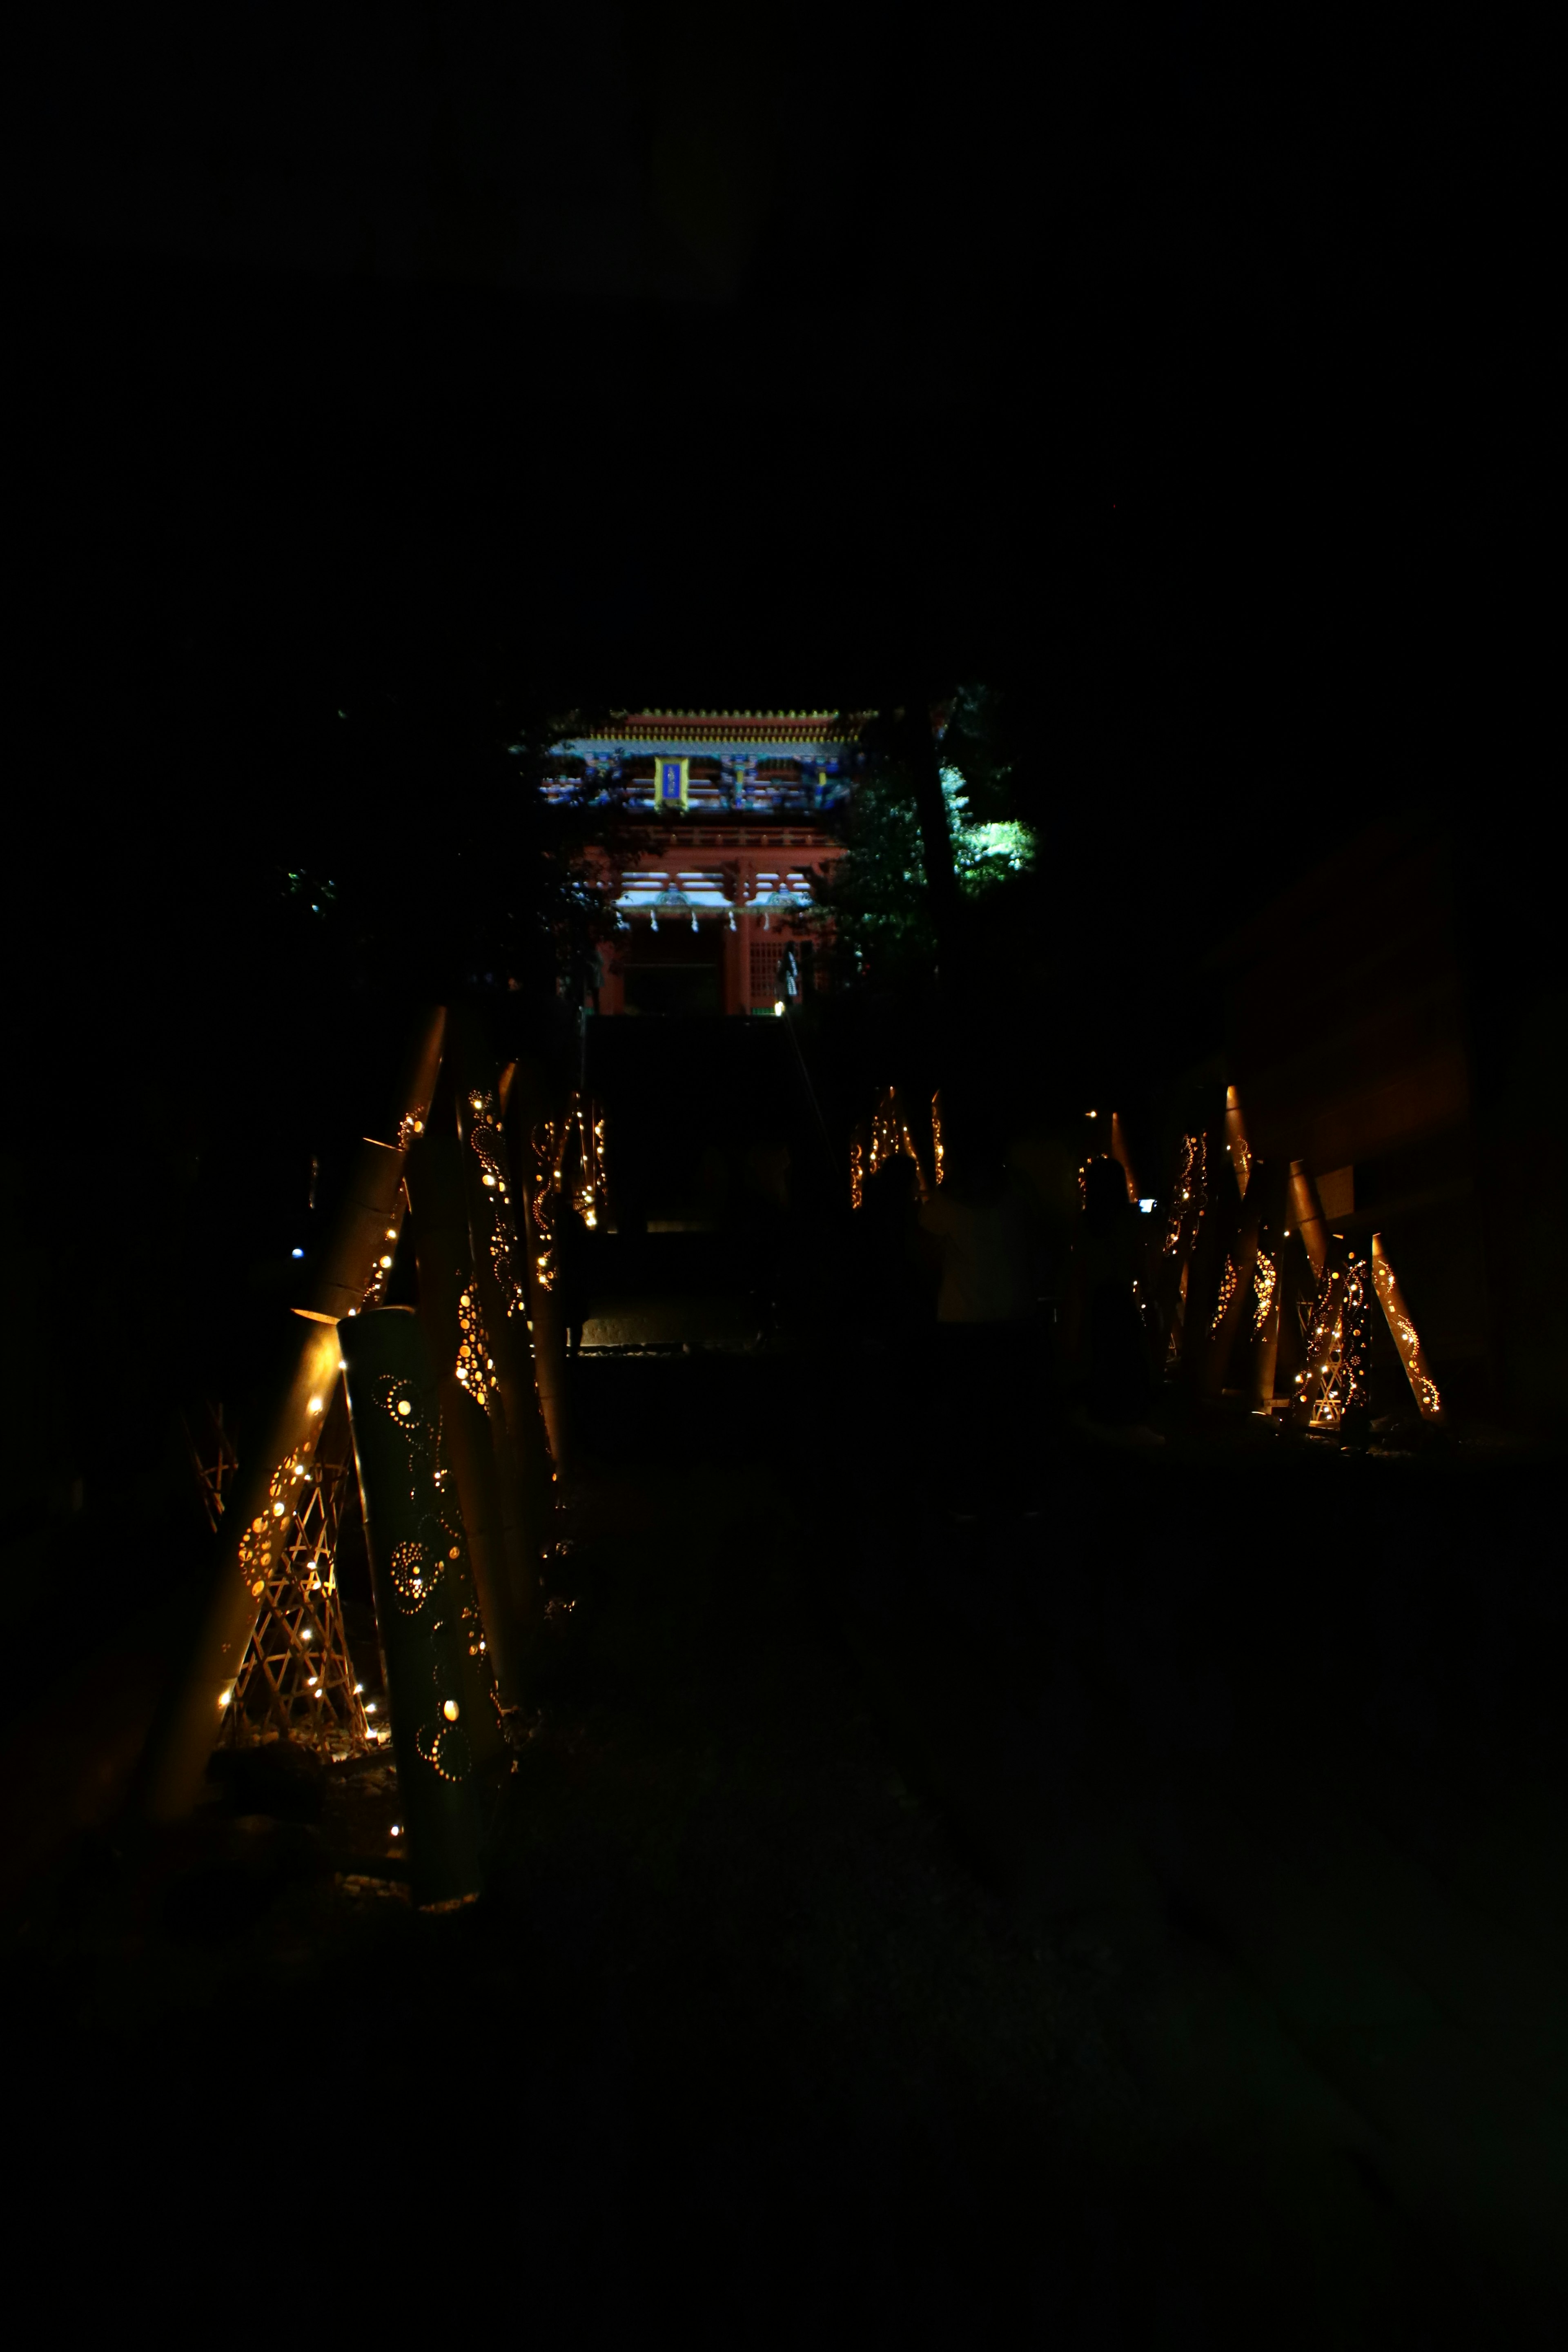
(460, 1352)
(1234, 1303)
(525, 1114)
(1236, 1143)
(1422, 1385)
(1265, 1310)
(1212, 1251)
(251, 1534)
(1123, 1158)
(415, 1539)
(517, 1422)
(353, 1269)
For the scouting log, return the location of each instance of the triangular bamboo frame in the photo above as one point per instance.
(297, 1663)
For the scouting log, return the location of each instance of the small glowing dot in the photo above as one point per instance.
(450, 1710)
(223, 1697)
(403, 1406)
(315, 1405)
(278, 1510)
(370, 1707)
(296, 1253)
(397, 1829)
(386, 1262)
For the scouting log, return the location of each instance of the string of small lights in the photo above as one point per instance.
(1227, 1283)
(1189, 1196)
(541, 1203)
(1265, 1280)
(1189, 1202)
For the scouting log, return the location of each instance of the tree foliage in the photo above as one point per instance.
(875, 897)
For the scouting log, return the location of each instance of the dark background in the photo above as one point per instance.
(1183, 380)
(1188, 371)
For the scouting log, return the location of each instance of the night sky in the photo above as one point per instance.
(1186, 377)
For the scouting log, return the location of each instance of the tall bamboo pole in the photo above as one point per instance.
(1307, 1215)
(1237, 1148)
(1207, 1261)
(943, 894)
(517, 1422)
(1123, 1158)
(173, 1763)
(1269, 1282)
(457, 1340)
(531, 1102)
(1423, 1387)
(1235, 1294)
(416, 1548)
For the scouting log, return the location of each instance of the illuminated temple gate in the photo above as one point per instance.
(723, 817)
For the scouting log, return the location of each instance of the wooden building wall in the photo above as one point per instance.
(1347, 1036)
(1397, 1015)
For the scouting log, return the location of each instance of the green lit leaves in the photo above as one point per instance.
(877, 894)
(312, 892)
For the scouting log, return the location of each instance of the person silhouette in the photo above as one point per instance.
(898, 1296)
(1105, 1343)
(571, 1272)
(984, 1377)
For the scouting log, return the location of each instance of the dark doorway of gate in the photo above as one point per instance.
(674, 971)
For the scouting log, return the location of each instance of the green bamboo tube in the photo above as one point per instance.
(456, 1340)
(416, 1540)
(249, 1535)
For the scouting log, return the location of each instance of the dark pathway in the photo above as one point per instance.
(1146, 1929)
(1279, 1739)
